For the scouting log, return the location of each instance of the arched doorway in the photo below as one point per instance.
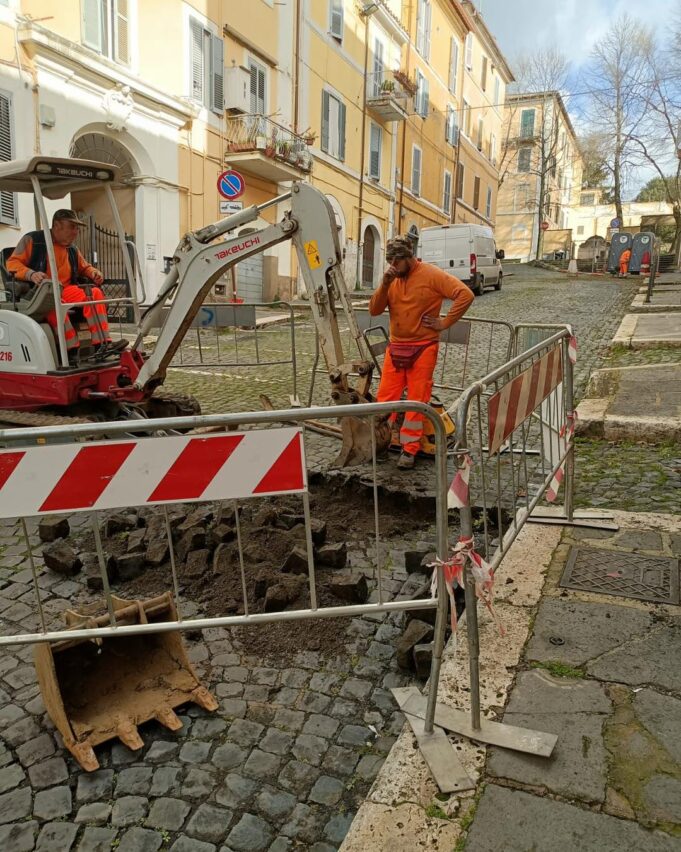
(368, 257)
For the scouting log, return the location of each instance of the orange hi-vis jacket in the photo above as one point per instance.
(17, 263)
(423, 292)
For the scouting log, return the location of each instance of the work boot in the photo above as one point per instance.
(406, 461)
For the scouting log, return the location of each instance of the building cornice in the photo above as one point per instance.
(480, 28)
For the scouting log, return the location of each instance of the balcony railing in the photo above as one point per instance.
(249, 135)
(389, 96)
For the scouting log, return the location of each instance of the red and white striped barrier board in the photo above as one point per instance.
(150, 471)
(514, 403)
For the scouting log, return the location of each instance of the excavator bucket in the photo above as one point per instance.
(98, 689)
(357, 440)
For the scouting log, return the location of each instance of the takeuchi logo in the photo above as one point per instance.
(235, 249)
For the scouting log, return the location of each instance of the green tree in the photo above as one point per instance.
(660, 189)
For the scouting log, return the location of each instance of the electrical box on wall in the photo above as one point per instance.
(237, 89)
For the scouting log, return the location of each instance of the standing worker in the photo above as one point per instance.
(29, 262)
(413, 292)
(625, 259)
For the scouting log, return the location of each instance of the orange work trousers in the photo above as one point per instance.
(624, 267)
(418, 380)
(95, 316)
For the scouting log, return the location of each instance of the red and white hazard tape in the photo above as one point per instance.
(453, 571)
(572, 350)
(567, 431)
(457, 496)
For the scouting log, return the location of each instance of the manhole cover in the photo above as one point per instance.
(630, 575)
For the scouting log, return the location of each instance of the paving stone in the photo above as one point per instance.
(265, 676)
(229, 756)
(337, 827)
(662, 795)
(128, 810)
(310, 749)
(56, 837)
(273, 803)
(298, 777)
(369, 668)
(661, 715)
(140, 840)
(188, 844)
(515, 821)
(286, 697)
(97, 840)
(35, 750)
(369, 766)
(226, 660)
(208, 728)
(356, 689)
(262, 764)
(326, 790)
(52, 804)
(354, 735)
(294, 678)
(166, 781)
(161, 751)
(134, 782)
(324, 682)
(250, 834)
(122, 755)
(290, 720)
(304, 824)
(340, 761)
(209, 823)
(95, 786)
(168, 814)
(11, 777)
(380, 651)
(281, 844)
(229, 690)
(639, 540)
(235, 791)
(244, 732)
(344, 709)
(19, 837)
(276, 741)
(233, 708)
(313, 702)
(20, 732)
(322, 726)
(48, 772)
(96, 813)
(195, 752)
(199, 784)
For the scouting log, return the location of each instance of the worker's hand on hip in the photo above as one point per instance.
(97, 277)
(433, 322)
(37, 277)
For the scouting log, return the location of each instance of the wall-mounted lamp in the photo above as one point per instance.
(369, 9)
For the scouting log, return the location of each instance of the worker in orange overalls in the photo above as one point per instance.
(413, 292)
(625, 259)
(29, 262)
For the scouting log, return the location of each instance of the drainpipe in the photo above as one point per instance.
(296, 70)
(404, 129)
(358, 266)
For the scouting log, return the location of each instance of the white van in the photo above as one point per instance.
(467, 251)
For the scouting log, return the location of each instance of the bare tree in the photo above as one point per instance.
(593, 147)
(617, 79)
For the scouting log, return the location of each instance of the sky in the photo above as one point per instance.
(573, 26)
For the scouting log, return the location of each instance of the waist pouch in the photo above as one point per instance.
(404, 355)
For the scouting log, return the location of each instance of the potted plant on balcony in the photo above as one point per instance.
(403, 79)
(387, 86)
(284, 150)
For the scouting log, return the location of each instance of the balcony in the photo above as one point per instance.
(266, 149)
(390, 95)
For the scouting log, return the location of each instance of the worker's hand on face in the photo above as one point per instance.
(37, 277)
(97, 277)
(389, 276)
(432, 322)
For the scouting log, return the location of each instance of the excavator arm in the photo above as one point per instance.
(199, 263)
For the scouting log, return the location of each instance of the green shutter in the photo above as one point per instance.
(325, 121)
(8, 200)
(217, 92)
(341, 131)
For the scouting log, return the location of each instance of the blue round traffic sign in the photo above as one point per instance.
(231, 185)
(615, 223)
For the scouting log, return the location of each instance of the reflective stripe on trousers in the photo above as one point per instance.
(95, 316)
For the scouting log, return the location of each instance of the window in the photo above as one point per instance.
(416, 170)
(476, 193)
(497, 92)
(422, 95)
(447, 193)
(483, 75)
(467, 118)
(493, 149)
(587, 198)
(580, 229)
(8, 200)
(453, 64)
(451, 129)
(257, 87)
(207, 67)
(459, 180)
(469, 51)
(488, 204)
(333, 126)
(527, 123)
(524, 159)
(481, 133)
(106, 28)
(375, 145)
(520, 198)
(336, 19)
(423, 14)
(379, 68)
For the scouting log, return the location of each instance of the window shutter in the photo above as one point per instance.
(196, 33)
(476, 193)
(337, 19)
(497, 92)
(8, 200)
(459, 180)
(484, 74)
(453, 64)
(447, 193)
(122, 45)
(481, 133)
(426, 97)
(375, 152)
(488, 208)
(426, 34)
(341, 131)
(92, 33)
(217, 89)
(469, 51)
(379, 67)
(325, 122)
(420, 26)
(416, 171)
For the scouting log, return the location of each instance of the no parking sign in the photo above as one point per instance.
(231, 185)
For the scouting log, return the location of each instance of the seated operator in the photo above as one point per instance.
(29, 262)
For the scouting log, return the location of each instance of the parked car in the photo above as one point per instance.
(467, 251)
